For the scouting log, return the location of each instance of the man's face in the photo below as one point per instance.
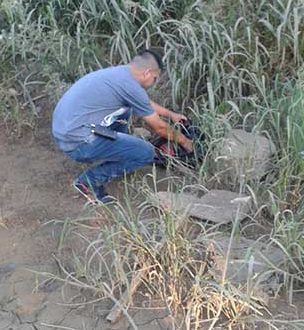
(150, 76)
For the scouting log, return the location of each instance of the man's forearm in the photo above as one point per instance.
(171, 134)
(176, 136)
(161, 111)
(163, 129)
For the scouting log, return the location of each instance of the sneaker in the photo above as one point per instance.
(84, 190)
(99, 197)
(103, 198)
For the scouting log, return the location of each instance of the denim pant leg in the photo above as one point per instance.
(113, 157)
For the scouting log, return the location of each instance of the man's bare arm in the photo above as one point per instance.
(163, 130)
(161, 111)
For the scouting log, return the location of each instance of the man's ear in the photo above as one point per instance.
(144, 73)
(148, 71)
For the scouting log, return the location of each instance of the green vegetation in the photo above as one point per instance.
(228, 64)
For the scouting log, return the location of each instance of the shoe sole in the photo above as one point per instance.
(87, 197)
(107, 201)
(94, 201)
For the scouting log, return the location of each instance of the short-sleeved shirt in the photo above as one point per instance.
(97, 98)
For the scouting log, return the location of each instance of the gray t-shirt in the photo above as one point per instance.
(97, 98)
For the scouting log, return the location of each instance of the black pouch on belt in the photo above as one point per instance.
(104, 132)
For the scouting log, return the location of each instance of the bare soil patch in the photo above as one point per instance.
(35, 189)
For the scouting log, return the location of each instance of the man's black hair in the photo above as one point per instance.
(156, 54)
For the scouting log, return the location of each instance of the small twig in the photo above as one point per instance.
(34, 99)
(57, 326)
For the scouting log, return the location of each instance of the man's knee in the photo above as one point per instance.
(134, 149)
(150, 152)
(146, 153)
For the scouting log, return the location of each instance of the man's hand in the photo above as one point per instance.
(164, 130)
(177, 117)
(164, 112)
(187, 145)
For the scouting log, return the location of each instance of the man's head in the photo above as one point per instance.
(146, 67)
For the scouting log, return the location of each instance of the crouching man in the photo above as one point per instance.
(90, 123)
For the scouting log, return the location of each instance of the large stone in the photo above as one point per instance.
(219, 206)
(142, 133)
(244, 155)
(248, 261)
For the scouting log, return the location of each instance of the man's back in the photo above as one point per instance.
(92, 98)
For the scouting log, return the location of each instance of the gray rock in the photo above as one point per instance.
(244, 154)
(219, 206)
(142, 133)
(249, 261)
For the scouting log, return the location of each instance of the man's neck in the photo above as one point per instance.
(135, 72)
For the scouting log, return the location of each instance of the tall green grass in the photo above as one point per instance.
(228, 64)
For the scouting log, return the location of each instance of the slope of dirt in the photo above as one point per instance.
(35, 184)
(36, 188)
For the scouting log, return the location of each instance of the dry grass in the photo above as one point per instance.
(229, 64)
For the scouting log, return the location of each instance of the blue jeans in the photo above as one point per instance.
(112, 158)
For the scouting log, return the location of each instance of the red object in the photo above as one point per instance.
(167, 150)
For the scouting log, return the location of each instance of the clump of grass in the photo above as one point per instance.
(179, 263)
(227, 60)
(229, 64)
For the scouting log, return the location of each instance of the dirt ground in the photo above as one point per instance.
(36, 188)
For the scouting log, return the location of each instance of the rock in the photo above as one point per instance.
(244, 154)
(142, 133)
(219, 206)
(249, 261)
